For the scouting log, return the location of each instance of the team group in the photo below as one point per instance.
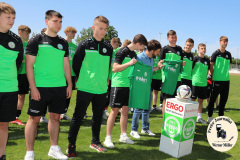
(52, 67)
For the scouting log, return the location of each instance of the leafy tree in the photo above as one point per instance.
(85, 33)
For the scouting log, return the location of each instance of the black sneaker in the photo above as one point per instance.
(99, 147)
(71, 151)
(3, 157)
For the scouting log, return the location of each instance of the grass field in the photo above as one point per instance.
(144, 148)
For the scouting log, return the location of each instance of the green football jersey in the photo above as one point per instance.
(72, 49)
(11, 55)
(187, 69)
(171, 53)
(22, 69)
(158, 73)
(221, 66)
(120, 79)
(48, 67)
(200, 71)
(172, 69)
(140, 77)
(112, 61)
(91, 64)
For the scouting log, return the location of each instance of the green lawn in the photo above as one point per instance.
(144, 148)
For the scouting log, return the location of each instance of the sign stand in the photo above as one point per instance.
(178, 127)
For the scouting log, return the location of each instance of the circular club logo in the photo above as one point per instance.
(11, 44)
(60, 46)
(222, 133)
(172, 127)
(145, 74)
(104, 50)
(188, 128)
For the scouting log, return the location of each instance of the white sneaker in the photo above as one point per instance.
(43, 119)
(209, 119)
(106, 112)
(64, 116)
(134, 134)
(29, 157)
(160, 106)
(104, 116)
(200, 120)
(125, 139)
(149, 132)
(108, 142)
(56, 153)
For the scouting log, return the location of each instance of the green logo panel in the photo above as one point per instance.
(172, 127)
(188, 128)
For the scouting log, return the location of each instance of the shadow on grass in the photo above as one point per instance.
(132, 153)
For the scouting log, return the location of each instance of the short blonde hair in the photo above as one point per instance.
(70, 29)
(223, 38)
(100, 19)
(126, 43)
(201, 44)
(24, 28)
(6, 8)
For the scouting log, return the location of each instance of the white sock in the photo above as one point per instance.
(123, 134)
(199, 115)
(108, 136)
(54, 147)
(30, 153)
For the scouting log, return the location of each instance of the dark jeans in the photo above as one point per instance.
(83, 101)
(222, 88)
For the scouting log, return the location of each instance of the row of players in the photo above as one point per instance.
(46, 52)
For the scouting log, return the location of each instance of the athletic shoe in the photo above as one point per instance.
(104, 116)
(125, 139)
(71, 151)
(99, 147)
(43, 119)
(134, 134)
(160, 106)
(155, 109)
(65, 117)
(106, 112)
(200, 120)
(56, 153)
(209, 119)
(108, 142)
(3, 157)
(149, 132)
(18, 122)
(29, 157)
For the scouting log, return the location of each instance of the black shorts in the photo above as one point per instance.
(156, 84)
(187, 82)
(23, 85)
(53, 97)
(165, 96)
(8, 106)
(209, 90)
(119, 97)
(199, 92)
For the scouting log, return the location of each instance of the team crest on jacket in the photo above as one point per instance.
(178, 53)
(226, 56)
(205, 62)
(191, 58)
(104, 50)
(60, 46)
(11, 44)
